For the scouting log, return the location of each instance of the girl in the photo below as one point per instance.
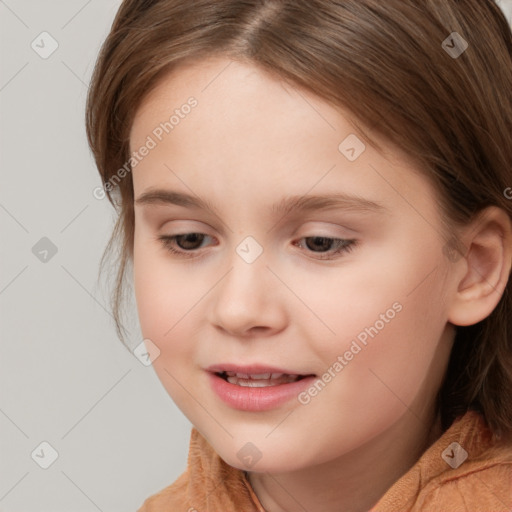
(314, 198)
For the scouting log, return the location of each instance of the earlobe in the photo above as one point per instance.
(485, 267)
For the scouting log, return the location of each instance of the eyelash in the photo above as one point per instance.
(344, 245)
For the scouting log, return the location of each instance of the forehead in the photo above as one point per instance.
(251, 131)
(229, 91)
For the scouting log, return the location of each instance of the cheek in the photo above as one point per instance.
(165, 295)
(371, 288)
(168, 304)
(389, 309)
(392, 328)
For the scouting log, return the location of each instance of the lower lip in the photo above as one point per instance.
(266, 398)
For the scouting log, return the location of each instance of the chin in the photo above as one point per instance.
(261, 466)
(263, 457)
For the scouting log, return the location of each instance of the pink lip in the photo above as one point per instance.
(253, 369)
(255, 399)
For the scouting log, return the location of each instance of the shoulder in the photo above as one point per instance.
(465, 470)
(172, 497)
(481, 480)
(208, 484)
(486, 486)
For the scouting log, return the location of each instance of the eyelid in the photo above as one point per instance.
(320, 227)
(184, 224)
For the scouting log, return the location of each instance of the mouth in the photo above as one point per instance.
(259, 380)
(257, 388)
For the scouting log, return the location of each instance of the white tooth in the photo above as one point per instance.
(231, 374)
(261, 376)
(285, 379)
(249, 383)
(254, 384)
(242, 375)
(276, 375)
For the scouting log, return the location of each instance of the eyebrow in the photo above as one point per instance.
(284, 207)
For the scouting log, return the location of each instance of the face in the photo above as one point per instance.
(345, 294)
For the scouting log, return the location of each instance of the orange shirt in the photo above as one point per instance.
(463, 471)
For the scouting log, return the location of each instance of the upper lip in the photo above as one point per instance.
(252, 369)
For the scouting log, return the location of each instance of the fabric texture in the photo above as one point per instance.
(442, 480)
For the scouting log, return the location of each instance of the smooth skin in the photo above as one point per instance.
(250, 142)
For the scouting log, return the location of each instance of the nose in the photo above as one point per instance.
(248, 299)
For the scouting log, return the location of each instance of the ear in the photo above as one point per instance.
(483, 271)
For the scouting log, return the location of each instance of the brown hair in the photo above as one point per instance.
(382, 61)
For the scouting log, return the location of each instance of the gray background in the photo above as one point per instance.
(64, 376)
(65, 379)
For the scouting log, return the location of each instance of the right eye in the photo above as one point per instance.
(187, 243)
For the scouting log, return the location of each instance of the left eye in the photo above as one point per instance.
(188, 244)
(340, 245)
